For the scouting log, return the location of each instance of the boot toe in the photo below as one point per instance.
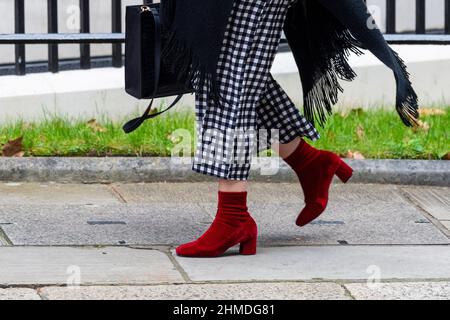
(309, 213)
(187, 249)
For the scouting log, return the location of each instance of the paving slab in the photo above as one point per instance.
(4, 241)
(436, 201)
(86, 266)
(105, 225)
(239, 291)
(324, 262)
(52, 193)
(170, 214)
(201, 192)
(136, 193)
(356, 214)
(401, 291)
(19, 294)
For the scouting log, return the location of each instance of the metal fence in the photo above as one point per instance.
(19, 39)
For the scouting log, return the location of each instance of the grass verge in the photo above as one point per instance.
(374, 134)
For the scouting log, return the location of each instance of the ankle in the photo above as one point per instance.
(302, 156)
(232, 201)
(232, 185)
(232, 208)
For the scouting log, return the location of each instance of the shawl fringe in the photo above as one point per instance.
(322, 35)
(320, 98)
(324, 57)
(185, 63)
(407, 101)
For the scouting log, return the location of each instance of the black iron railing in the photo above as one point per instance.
(116, 37)
(391, 16)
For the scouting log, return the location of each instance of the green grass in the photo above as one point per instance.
(385, 137)
(59, 136)
(376, 134)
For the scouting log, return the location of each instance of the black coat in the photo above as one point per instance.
(321, 34)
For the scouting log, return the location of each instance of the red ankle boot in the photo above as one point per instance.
(315, 170)
(232, 225)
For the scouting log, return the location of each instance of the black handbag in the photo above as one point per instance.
(147, 75)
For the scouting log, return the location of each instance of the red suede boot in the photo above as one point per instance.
(232, 225)
(315, 170)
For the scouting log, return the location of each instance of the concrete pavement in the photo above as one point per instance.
(116, 241)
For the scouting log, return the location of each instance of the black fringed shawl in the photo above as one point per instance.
(321, 33)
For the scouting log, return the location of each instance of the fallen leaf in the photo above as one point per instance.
(26, 126)
(421, 126)
(360, 132)
(175, 139)
(13, 148)
(431, 112)
(92, 153)
(343, 113)
(96, 126)
(153, 111)
(356, 112)
(354, 155)
(446, 156)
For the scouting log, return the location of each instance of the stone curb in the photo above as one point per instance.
(132, 170)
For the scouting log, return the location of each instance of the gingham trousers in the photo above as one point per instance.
(259, 112)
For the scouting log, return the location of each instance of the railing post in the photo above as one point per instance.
(116, 24)
(391, 13)
(19, 27)
(85, 26)
(420, 17)
(52, 23)
(447, 16)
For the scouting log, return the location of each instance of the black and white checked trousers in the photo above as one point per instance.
(258, 112)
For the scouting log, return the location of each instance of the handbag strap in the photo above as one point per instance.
(135, 123)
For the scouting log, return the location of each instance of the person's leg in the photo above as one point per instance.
(217, 145)
(232, 225)
(314, 168)
(232, 186)
(284, 150)
(276, 111)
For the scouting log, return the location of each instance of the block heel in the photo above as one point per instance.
(248, 247)
(344, 172)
